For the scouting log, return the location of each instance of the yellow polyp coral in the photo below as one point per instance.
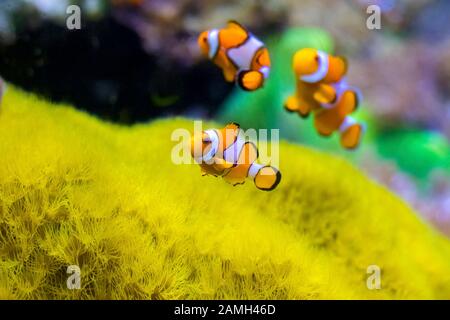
(78, 191)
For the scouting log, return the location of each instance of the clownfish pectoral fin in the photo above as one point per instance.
(250, 80)
(351, 133)
(266, 178)
(232, 24)
(325, 94)
(221, 165)
(229, 74)
(293, 104)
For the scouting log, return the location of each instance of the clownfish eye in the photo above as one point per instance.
(316, 58)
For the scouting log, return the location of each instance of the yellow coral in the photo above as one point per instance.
(78, 191)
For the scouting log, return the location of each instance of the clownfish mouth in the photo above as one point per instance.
(321, 72)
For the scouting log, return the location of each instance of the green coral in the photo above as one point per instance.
(417, 152)
(78, 191)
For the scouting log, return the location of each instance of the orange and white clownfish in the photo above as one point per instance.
(241, 56)
(321, 88)
(335, 116)
(226, 153)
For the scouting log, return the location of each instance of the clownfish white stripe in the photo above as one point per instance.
(348, 122)
(321, 71)
(265, 71)
(231, 154)
(254, 169)
(242, 56)
(214, 138)
(213, 41)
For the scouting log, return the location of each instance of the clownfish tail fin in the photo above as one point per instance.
(266, 178)
(351, 133)
(250, 80)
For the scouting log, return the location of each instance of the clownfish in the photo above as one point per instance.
(228, 154)
(321, 88)
(242, 57)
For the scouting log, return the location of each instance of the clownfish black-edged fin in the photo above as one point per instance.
(293, 104)
(229, 135)
(267, 178)
(250, 80)
(232, 126)
(236, 25)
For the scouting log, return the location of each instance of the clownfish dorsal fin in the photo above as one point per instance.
(233, 125)
(229, 135)
(232, 24)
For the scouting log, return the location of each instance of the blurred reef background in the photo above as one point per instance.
(136, 60)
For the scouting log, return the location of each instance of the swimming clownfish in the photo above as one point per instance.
(241, 56)
(321, 88)
(226, 153)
